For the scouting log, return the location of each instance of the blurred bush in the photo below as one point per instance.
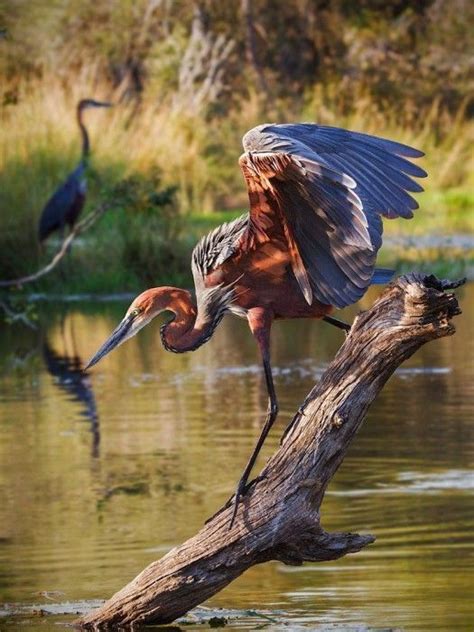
(208, 54)
(188, 79)
(148, 230)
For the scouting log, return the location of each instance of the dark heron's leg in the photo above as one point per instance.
(260, 324)
(337, 323)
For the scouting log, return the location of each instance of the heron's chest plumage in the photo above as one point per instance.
(263, 277)
(259, 272)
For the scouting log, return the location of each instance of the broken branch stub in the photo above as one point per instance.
(279, 518)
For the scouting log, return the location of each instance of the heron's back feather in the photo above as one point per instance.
(64, 205)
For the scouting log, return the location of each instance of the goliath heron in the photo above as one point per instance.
(308, 245)
(66, 203)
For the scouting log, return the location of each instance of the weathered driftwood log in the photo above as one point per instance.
(279, 518)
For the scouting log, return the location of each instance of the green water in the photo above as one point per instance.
(101, 475)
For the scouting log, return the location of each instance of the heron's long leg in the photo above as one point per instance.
(260, 324)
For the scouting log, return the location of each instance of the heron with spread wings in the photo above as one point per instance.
(307, 246)
(67, 202)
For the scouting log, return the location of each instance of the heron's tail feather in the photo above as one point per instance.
(381, 276)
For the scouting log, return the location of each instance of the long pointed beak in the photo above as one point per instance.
(119, 335)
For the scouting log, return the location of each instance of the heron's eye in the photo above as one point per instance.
(135, 312)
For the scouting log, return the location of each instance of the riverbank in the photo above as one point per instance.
(94, 267)
(172, 170)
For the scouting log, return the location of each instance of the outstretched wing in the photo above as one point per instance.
(327, 189)
(55, 213)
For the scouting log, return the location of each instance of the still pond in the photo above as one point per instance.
(101, 474)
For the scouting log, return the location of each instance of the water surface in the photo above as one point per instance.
(100, 475)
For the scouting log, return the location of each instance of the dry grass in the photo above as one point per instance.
(40, 145)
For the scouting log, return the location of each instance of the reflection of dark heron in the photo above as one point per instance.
(70, 378)
(65, 205)
(308, 245)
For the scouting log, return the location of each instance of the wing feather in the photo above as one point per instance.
(326, 189)
(396, 177)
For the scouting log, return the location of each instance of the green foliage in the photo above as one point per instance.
(138, 241)
(403, 54)
(148, 230)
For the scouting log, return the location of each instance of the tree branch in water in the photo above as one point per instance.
(86, 223)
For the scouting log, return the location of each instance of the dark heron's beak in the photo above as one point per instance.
(92, 103)
(127, 328)
(102, 104)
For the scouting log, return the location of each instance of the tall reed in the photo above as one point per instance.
(40, 144)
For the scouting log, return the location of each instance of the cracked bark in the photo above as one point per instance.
(279, 518)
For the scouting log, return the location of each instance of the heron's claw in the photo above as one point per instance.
(241, 490)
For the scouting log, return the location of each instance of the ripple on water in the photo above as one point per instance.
(175, 433)
(417, 482)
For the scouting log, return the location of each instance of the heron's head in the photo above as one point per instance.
(141, 311)
(85, 104)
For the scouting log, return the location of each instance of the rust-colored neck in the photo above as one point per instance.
(187, 330)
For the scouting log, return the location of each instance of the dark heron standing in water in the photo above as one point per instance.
(66, 203)
(308, 245)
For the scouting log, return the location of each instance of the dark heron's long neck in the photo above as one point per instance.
(84, 134)
(189, 329)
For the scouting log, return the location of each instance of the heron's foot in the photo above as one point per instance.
(239, 492)
(235, 498)
(242, 490)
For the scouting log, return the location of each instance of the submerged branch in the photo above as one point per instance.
(279, 517)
